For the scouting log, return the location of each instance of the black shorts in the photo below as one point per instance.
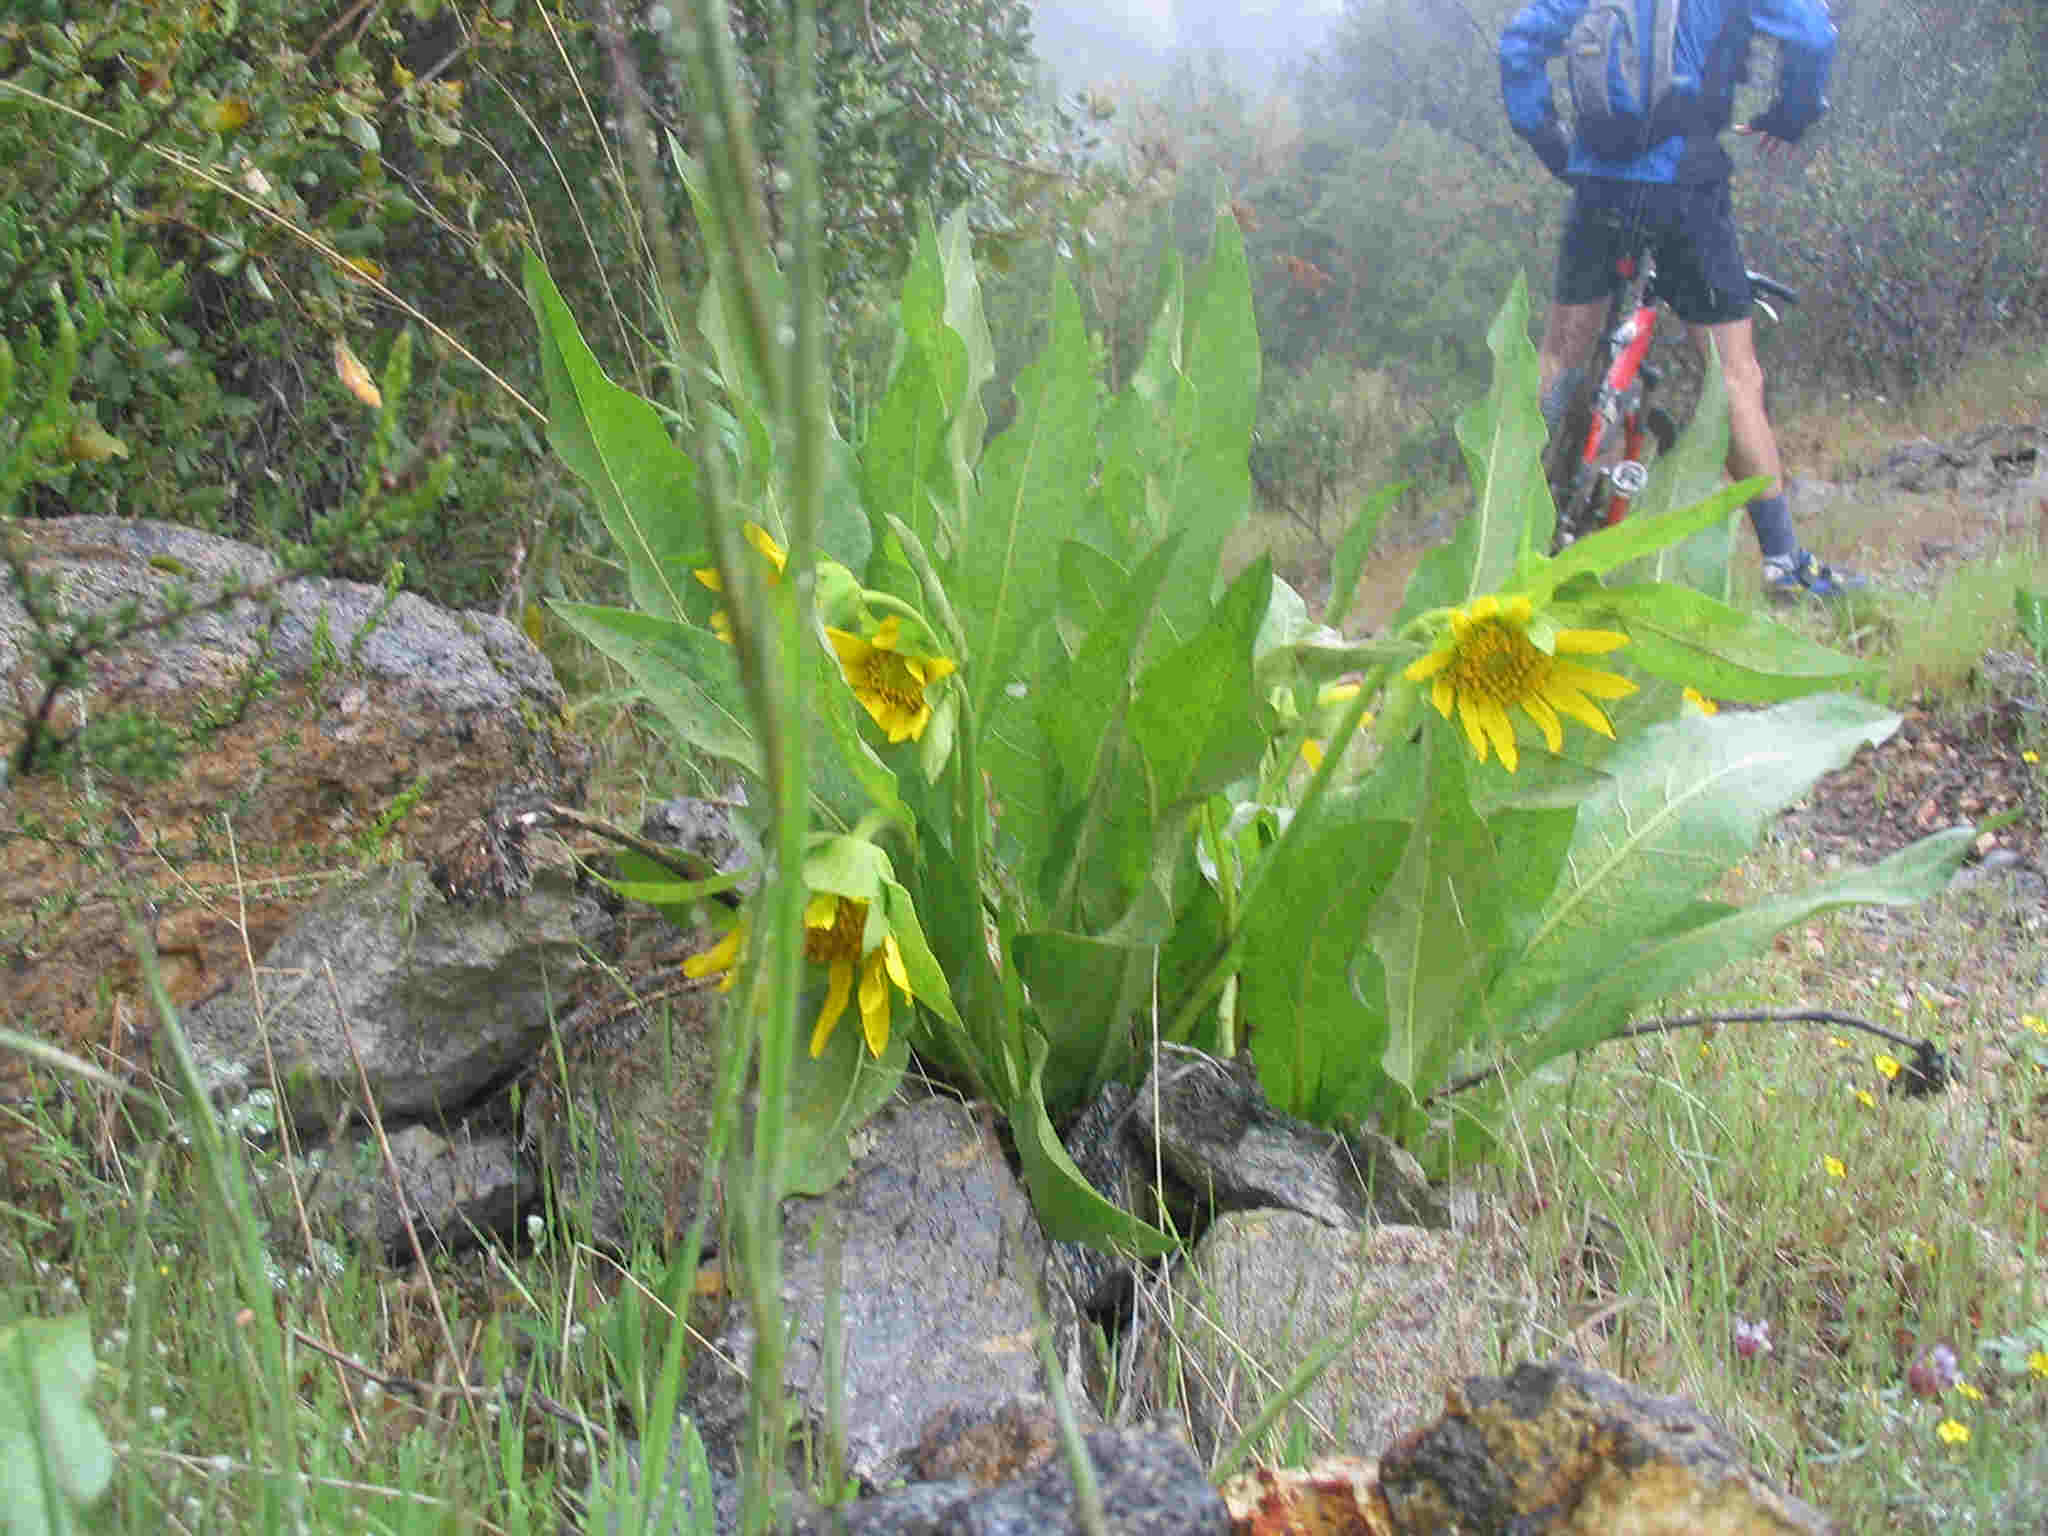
(1689, 226)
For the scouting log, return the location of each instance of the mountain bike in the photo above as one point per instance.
(1597, 460)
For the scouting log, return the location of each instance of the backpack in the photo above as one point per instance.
(1621, 77)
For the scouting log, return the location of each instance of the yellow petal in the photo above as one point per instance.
(1501, 731)
(837, 985)
(1312, 752)
(851, 650)
(1429, 665)
(1441, 694)
(708, 575)
(1475, 733)
(1588, 642)
(1546, 721)
(718, 957)
(822, 910)
(874, 1003)
(764, 541)
(892, 961)
(1591, 680)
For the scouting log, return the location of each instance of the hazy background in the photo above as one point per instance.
(1086, 44)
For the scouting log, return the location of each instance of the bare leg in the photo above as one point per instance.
(1752, 445)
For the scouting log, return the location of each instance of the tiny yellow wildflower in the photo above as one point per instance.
(1838, 1042)
(1953, 1432)
(2037, 1362)
(2030, 756)
(1966, 1390)
(1836, 1168)
(1887, 1065)
(1487, 665)
(1864, 1098)
(1699, 701)
(2034, 1022)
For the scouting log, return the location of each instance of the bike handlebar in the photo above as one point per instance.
(1771, 288)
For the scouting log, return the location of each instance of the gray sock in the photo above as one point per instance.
(1773, 524)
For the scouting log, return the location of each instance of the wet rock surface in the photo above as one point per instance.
(1561, 1448)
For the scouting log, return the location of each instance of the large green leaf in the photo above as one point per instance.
(1683, 802)
(1085, 992)
(832, 1094)
(1106, 817)
(1068, 1206)
(1004, 579)
(54, 1458)
(1196, 714)
(1213, 493)
(1312, 991)
(1726, 653)
(687, 674)
(1599, 1002)
(1502, 438)
(1689, 474)
(618, 445)
(1438, 928)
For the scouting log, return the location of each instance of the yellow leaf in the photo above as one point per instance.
(226, 114)
(355, 378)
(362, 266)
(91, 443)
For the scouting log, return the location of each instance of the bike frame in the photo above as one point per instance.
(1617, 398)
(1622, 395)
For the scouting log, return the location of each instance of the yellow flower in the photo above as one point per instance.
(1835, 1167)
(1953, 1432)
(1970, 1392)
(1863, 1097)
(1887, 1064)
(2034, 1022)
(1699, 701)
(2030, 756)
(1838, 1042)
(1488, 665)
(834, 930)
(890, 683)
(762, 540)
(2037, 1362)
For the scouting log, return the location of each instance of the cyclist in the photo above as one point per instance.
(1673, 196)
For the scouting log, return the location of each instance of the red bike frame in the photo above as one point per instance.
(1636, 333)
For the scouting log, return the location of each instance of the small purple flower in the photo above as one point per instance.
(1752, 1338)
(1934, 1372)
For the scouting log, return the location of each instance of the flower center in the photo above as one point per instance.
(886, 677)
(841, 941)
(1498, 661)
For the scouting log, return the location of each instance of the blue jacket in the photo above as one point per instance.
(1806, 39)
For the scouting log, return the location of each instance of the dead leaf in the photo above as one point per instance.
(355, 378)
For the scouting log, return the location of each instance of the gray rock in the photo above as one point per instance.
(940, 1268)
(442, 999)
(459, 1190)
(1150, 1483)
(1229, 1150)
(1262, 1291)
(1559, 1448)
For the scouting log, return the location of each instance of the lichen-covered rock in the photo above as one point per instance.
(1559, 1449)
(1225, 1148)
(386, 727)
(940, 1271)
(439, 1000)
